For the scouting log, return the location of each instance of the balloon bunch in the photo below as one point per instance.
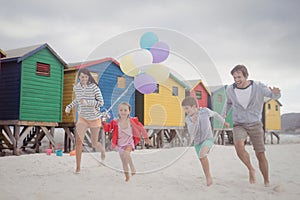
(144, 64)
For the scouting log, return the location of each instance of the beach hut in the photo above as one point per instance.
(161, 111)
(31, 87)
(271, 115)
(271, 118)
(2, 54)
(200, 92)
(218, 99)
(115, 87)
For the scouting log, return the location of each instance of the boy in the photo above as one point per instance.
(199, 127)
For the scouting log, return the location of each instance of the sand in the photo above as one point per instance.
(170, 173)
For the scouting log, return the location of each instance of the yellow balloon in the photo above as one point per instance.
(127, 65)
(159, 72)
(157, 115)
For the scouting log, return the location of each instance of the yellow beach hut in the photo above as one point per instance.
(271, 118)
(161, 111)
(271, 115)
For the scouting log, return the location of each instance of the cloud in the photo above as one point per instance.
(264, 35)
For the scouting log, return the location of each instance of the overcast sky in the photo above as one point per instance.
(263, 35)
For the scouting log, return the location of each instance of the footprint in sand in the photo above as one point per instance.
(277, 188)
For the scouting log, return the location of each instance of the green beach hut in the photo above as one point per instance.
(31, 88)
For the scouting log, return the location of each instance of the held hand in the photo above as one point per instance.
(226, 124)
(275, 90)
(67, 110)
(148, 142)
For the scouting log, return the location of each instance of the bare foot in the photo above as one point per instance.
(127, 177)
(252, 178)
(267, 183)
(209, 181)
(77, 171)
(133, 172)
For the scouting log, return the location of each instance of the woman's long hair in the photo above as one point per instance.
(87, 72)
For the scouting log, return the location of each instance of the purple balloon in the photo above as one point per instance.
(145, 83)
(160, 52)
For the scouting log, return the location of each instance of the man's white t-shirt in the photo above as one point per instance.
(243, 95)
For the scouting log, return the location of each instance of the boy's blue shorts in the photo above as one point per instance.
(198, 147)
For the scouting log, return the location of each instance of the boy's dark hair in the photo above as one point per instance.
(241, 68)
(189, 101)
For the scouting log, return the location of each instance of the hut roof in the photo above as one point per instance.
(2, 53)
(79, 65)
(216, 88)
(20, 54)
(267, 99)
(194, 83)
(184, 85)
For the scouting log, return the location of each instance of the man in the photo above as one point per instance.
(246, 97)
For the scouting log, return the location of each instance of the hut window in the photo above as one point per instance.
(276, 107)
(175, 91)
(198, 94)
(42, 69)
(157, 89)
(269, 106)
(121, 82)
(219, 98)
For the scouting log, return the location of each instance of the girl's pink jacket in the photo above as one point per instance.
(137, 130)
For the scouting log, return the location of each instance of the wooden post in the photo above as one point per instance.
(5, 139)
(39, 136)
(49, 136)
(16, 134)
(69, 134)
(11, 137)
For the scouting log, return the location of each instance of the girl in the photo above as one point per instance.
(125, 136)
(88, 97)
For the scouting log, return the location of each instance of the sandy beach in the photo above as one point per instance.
(170, 173)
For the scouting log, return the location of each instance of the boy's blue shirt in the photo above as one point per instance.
(201, 130)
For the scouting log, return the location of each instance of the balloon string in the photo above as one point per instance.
(119, 97)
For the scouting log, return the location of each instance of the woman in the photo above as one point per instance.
(88, 97)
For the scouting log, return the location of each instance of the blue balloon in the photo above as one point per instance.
(147, 40)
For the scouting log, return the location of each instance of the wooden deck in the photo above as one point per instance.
(11, 131)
